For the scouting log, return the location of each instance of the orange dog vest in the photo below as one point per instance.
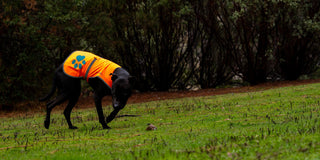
(81, 64)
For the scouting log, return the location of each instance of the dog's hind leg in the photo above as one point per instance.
(58, 100)
(67, 113)
(72, 102)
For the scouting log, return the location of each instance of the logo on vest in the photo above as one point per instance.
(79, 62)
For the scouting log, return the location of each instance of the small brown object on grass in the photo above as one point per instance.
(151, 127)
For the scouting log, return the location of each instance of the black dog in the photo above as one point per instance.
(69, 88)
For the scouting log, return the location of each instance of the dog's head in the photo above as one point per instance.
(121, 90)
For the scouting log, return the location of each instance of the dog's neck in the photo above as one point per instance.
(121, 73)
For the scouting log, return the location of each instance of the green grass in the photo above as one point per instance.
(281, 123)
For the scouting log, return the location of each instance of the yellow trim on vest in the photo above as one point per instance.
(78, 63)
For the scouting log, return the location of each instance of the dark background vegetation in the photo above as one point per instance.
(166, 44)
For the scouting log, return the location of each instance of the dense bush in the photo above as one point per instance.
(155, 41)
(264, 39)
(165, 44)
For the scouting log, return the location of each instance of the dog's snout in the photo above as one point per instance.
(116, 104)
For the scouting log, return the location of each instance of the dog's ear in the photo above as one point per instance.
(114, 77)
(132, 80)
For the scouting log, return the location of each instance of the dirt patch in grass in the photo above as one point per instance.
(31, 107)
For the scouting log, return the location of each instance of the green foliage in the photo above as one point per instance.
(273, 124)
(165, 44)
(298, 42)
(35, 35)
(154, 41)
(264, 39)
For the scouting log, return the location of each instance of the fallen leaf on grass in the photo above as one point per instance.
(54, 151)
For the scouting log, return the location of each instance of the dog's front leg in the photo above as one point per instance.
(112, 115)
(97, 100)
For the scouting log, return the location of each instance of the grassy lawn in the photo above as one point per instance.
(281, 123)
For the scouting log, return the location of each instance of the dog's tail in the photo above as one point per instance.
(53, 89)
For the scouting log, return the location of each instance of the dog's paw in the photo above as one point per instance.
(73, 127)
(106, 127)
(46, 124)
